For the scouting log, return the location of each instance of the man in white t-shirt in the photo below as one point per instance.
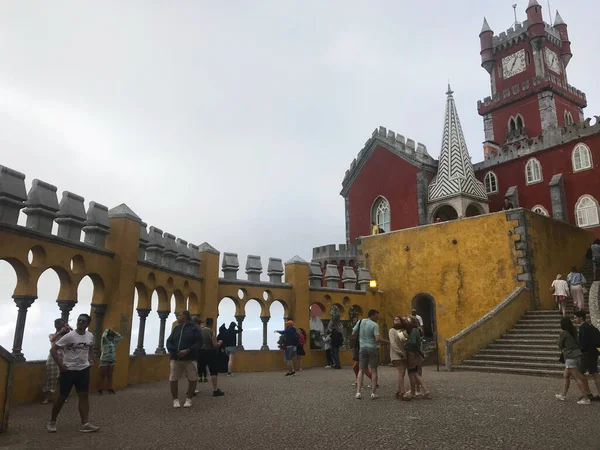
(77, 356)
(418, 317)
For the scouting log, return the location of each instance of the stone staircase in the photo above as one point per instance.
(530, 347)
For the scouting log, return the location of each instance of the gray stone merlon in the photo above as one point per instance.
(144, 239)
(156, 247)
(97, 225)
(230, 266)
(171, 250)
(332, 276)
(332, 252)
(364, 278)
(123, 212)
(349, 278)
(407, 149)
(41, 206)
(195, 260)
(558, 198)
(552, 137)
(518, 34)
(71, 216)
(184, 255)
(275, 270)
(296, 260)
(315, 274)
(253, 268)
(12, 195)
(205, 247)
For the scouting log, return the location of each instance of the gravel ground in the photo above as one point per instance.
(317, 410)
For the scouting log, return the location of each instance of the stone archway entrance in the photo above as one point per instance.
(445, 213)
(474, 210)
(425, 306)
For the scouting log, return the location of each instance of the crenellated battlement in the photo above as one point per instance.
(341, 252)
(527, 87)
(551, 138)
(518, 33)
(409, 149)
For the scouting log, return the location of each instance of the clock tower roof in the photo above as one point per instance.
(533, 3)
(559, 20)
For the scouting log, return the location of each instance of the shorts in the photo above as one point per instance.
(208, 358)
(289, 353)
(413, 361)
(573, 363)
(399, 363)
(368, 358)
(300, 350)
(589, 363)
(178, 368)
(355, 356)
(106, 363)
(78, 378)
(230, 350)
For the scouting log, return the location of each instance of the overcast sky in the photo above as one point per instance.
(234, 122)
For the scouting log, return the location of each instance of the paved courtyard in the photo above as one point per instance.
(317, 410)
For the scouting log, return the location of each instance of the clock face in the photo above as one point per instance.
(552, 60)
(514, 64)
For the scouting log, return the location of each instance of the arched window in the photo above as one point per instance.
(512, 125)
(539, 209)
(582, 158)
(586, 212)
(380, 214)
(568, 118)
(491, 183)
(533, 171)
(520, 122)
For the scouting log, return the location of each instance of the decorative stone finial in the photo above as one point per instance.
(253, 268)
(315, 275)
(230, 266)
(97, 225)
(275, 270)
(332, 276)
(71, 216)
(12, 195)
(41, 206)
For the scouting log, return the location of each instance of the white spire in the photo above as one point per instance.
(559, 20)
(486, 26)
(455, 174)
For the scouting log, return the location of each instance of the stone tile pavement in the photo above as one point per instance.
(317, 410)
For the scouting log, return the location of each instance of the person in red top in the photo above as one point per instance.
(300, 348)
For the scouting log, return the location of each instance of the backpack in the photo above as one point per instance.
(594, 338)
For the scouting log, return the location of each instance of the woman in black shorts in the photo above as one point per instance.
(300, 353)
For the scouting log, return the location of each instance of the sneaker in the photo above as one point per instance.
(561, 397)
(358, 396)
(354, 384)
(188, 403)
(176, 403)
(374, 396)
(218, 393)
(88, 428)
(197, 391)
(112, 392)
(584, 401)
(51, 427)
(328, 367)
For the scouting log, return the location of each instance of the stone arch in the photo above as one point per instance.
(98, 294)
(445, 213)
(239, 311)
(22, 276)
(163, 299)
(180, 304)
(143, 295)
(474, 210)
(193, 305)
(342, 309)
(355, 313)
(67, 290)
(254, 308)
(286, 308)
(425, 305)
(264, 308)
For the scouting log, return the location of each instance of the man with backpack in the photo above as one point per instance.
(291, 339)
(589, 341)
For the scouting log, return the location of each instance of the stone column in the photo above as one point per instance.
(99, 312)
(66, 306)
(143, 313)
(160, 350)
(265, 321)
(23, 302)
(240, 320)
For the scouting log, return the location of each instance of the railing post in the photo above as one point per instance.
(143, 313)
(160, 350)
(240, 320)
(265, 321)
(23, 302)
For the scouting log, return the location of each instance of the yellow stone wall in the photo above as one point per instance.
(466, 278)
(556, 246)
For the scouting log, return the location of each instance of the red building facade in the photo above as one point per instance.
(539, 151)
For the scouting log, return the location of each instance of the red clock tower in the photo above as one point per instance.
(528, 75)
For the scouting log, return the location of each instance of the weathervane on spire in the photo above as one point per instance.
(450, 91)
(515, 9)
